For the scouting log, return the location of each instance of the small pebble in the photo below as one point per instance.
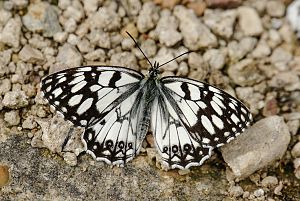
(184, 172)
(12, 117)
(269, 181)
(4, 175)
(249, 21)
(296, 150)
(236, 191)
(15, 99)
(259, 193)
(277, 190)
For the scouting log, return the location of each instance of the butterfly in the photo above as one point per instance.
(117, 106)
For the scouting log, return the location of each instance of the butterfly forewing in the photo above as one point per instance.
(191, 118)
(84, 94)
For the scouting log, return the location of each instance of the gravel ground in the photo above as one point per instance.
(247, 48)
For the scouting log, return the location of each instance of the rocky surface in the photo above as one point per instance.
(247, 48)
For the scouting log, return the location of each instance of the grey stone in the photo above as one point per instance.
(55, 133)
(69, 56)
(269, 181)
(90, 6)
(4, 17)
(60, 37)
(10, 34)
(254, 99)
(149, 48)
(126, 59)
(105, 19)
(277, 190)
(42, 17)
(132, 7)
(198, 67)
(297, 167)
(99, 38)
(128, 44)
(12, 117)
(294, 126)
(31, 55)
(238, 50)
(20, 4)
(296, 150)
(249, 21)
(216, 58)
(98, 54)
(148, 17)
(5, 86)
(221, 22)
(75, 11)
(29, 123)
(262, 50)
(183, 69)
(240, 72)
(70, 158)
(260, 145)
(70, 25)
(163, 55)
(84, 46)
(293, 17)
(73, 39)
(274, 38)
(64, 4)
(196, 35)
(15, 99)
(289, 80)
(167, 29)
(259, 193)
(236, 191)
(5, 57)
(296, 163)
(275, 8)
(280, 58)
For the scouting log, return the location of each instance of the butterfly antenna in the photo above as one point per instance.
(139, 48)
(175, 58)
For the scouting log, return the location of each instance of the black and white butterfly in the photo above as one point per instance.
(117, 105)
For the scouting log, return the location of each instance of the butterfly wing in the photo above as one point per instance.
(190, 118)
(81, 94)
(104, 101)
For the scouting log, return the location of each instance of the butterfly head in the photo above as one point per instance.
(154, 70)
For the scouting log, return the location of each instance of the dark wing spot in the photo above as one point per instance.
(185, 88)
(116, 76)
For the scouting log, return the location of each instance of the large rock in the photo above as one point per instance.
(260, 145)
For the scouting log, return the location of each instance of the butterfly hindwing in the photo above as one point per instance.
(117, 137)
(194, 118)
